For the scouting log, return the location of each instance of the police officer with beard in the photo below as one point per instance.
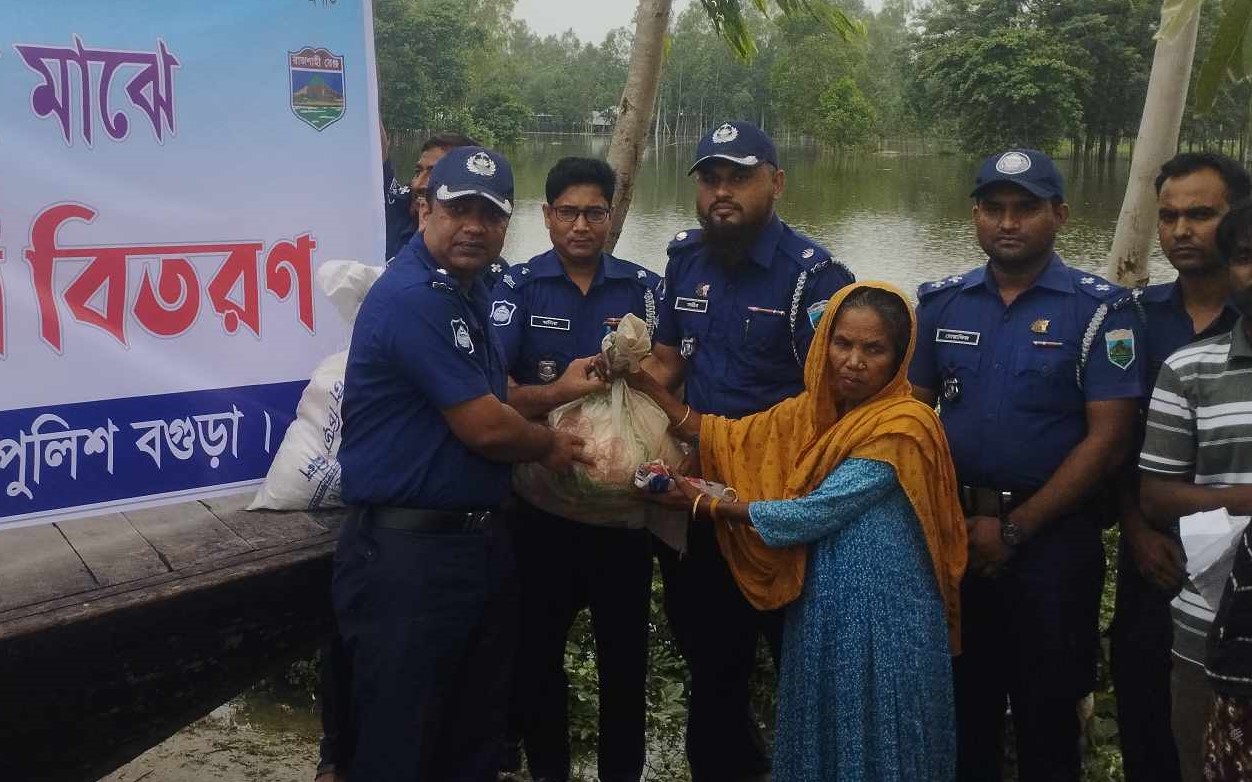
(742, 299)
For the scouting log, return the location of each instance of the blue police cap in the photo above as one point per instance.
(473, 171)
(1026, 168)
(738, 142)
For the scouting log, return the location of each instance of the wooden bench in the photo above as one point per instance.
(118, 630)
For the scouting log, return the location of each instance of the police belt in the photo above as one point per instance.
(977, 501)
(420, 520)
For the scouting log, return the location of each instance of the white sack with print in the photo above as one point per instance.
(305, 472)
(623, 428)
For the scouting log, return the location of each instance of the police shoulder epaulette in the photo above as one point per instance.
(684, 238)
(930, 288)
(810, 255)
(517, 276)
(1102, 290)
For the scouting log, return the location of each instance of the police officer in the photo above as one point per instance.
(742, 297)
(1194, 191)
(551, 314)
(423, 586)
(1038, 371)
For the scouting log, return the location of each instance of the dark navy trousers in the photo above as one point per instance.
(1030, 638)
(1141, 638)
(429, 622)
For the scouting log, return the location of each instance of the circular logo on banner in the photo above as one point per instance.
(481, 163)
(725, 134)
(1013, 163)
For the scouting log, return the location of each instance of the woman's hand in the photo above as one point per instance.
(680, 497)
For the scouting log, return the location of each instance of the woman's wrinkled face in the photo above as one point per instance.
(862, 357)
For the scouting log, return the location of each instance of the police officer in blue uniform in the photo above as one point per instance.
(1038, 370)
(1194, 192)
(742, 297)
(551, 315)
(424, 587)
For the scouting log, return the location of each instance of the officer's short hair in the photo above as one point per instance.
(448, 140)
(1238, 183)
(1234, 229)
(570, 171)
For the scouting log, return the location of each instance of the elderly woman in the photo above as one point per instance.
(853, 478)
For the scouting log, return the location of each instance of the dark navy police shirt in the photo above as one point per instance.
(419, 346)
(1169, 327)
(745, 332)
(544, 321)
(1007, 377)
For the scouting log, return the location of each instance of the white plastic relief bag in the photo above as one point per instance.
(623, 428)
(305, 472)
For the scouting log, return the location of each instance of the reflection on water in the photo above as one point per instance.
(901, 219)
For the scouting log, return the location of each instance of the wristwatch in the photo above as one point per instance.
(1010, 533)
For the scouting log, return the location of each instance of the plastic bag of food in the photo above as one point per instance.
(623, 428)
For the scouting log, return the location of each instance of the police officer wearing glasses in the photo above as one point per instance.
(742, 298)
(424, 588)
(551, 314)
(1037, 370)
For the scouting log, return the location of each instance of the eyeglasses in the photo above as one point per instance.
(569, 214)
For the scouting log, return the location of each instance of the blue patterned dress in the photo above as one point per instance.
(865, 690)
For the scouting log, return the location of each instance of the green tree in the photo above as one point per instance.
(501, 115)
(845, 118)
(1012, 86)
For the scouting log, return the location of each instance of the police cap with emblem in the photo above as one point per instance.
(738, 142)
(473, 171)
(1027, 168)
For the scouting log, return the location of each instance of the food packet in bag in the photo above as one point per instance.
(623, 428)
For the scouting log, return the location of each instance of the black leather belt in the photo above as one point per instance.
(977, 501)
(420, 520)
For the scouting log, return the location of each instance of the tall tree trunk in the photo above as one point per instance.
(635, 111)
(1157, 142)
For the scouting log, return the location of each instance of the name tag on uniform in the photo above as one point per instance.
(956, 337)
(684, 304)
(544, 322)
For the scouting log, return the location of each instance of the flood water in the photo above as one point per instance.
(904, 219)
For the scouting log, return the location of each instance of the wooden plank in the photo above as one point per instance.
(98, 603)
(262, 529)
(112, 549)
(186, 534)
(37, 564)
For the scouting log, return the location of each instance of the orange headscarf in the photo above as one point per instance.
(788, 450)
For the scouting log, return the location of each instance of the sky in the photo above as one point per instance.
(590, 19)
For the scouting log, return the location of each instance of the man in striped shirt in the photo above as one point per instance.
(1197, 456)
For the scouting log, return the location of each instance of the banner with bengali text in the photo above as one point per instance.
(171, 177)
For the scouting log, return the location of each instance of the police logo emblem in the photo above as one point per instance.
(1040, 326)
(1119, 346)
(808, 253)
(1012, 163)
(480, 163)
(547, 371)
(680, 236)
(815, 312)
(951, 389)
(525, 270)
(315, 77)
(725, 134)
(461, 335)
(702, 290)
(688, 347)
(502, 312)
(641, 274)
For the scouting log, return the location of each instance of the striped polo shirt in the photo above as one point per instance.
(1200, 426)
